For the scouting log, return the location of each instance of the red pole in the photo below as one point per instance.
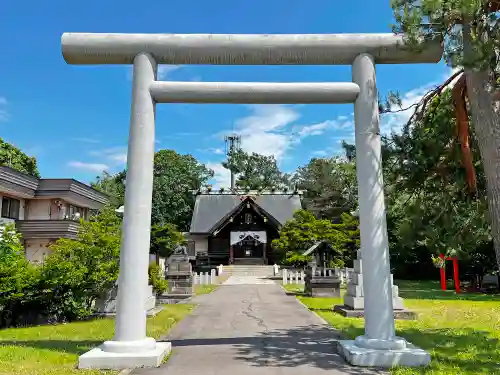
(455, 275)
(443, 273)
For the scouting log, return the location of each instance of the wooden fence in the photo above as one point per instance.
(205, 278)
(298, 277)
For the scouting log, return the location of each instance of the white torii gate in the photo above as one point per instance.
(130, 347)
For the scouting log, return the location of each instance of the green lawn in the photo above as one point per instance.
(461, 331)
(204, 289)
(54, 349)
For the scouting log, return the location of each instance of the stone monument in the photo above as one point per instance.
(317, 285)
(179, 276)
(354, 301)
(107, 304)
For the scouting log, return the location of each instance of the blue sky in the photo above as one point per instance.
(75, 119)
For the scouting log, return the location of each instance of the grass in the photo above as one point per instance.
(54, 349)
(204, 289)
(461, 331)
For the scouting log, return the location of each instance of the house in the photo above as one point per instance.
(44, 209)
(237, 227)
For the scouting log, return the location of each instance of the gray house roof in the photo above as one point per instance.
(209, 209)
(73, 191)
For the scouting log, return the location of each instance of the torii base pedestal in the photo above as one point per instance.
(409, 355)
(150, 355)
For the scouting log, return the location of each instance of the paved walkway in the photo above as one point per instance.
(252, 330)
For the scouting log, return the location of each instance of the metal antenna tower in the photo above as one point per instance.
(233, 143)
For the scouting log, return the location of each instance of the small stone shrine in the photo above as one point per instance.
(179, 276)
(354, 305)
(321, 284)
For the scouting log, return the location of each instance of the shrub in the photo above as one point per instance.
(297, 260)
(156, 279)
(17, 276)
(79, 271)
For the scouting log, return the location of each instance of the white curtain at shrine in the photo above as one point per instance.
(259, 236)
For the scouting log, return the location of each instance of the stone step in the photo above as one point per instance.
(249, 270)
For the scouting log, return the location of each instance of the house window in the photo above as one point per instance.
(248, 218)
(191, 248)
(10, 208)
(76, 213)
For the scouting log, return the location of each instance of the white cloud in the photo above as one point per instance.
(214, 150)
(109, 158)
(165, 70)
(269, 130)
(222, 176)
(265, 130)
(94, 167)
(113, 156)
(315, 129)
(4, 114)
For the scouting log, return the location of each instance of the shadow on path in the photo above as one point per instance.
(307, 347)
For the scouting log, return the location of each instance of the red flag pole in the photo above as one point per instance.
(443, 273)
(455, 275)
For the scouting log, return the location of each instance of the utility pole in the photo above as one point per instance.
(233, 143)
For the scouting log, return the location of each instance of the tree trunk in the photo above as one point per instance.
(486, 119)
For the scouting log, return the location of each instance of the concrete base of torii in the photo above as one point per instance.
(359, 353)
(148, 353)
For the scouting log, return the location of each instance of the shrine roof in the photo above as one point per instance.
(210, 207)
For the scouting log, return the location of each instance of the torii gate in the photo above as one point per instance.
(130, 347)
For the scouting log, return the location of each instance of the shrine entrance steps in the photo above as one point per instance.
(248, 261)
(248, 270)
(247, 280)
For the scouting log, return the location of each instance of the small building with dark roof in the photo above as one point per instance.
(237, 227)
(322, 253)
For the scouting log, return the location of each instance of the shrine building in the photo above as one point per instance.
(237, 226)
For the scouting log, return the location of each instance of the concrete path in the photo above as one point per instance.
(252, 330)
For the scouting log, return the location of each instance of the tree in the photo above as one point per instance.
(471, 33)
(113, 185)
(329, 186)
(430, 210)
(13, 157)
(301, 232)
(255, 171)
(175, 177)
(79, 271)
(164, 238)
